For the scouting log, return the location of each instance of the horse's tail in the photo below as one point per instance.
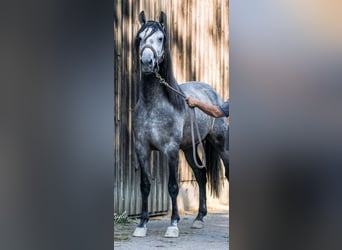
(214, 168)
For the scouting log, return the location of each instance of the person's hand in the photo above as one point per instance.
(191, 101)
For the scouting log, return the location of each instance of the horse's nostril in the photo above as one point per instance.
(146, 61)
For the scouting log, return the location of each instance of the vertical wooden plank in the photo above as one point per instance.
(115, 103)
(186, 51)
(184, 37)
(118, 97)
(205, 56)
(226, 62)
(221, 20)
(192, 37)
(135, 77)
(129, 113)
(148, 10)
(211, 56)
(215, 41)
(124, 107)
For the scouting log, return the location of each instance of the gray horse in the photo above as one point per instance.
(161, 122)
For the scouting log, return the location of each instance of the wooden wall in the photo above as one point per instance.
(199, 33)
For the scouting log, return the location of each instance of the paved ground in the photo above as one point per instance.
(213, 236)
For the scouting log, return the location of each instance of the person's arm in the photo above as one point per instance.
(211, 110)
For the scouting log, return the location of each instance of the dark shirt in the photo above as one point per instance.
(225, 108)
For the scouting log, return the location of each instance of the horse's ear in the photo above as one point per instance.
(142, 18)
(162, 19)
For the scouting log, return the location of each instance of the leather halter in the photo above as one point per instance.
(155, 55)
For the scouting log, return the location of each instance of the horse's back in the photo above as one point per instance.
(202, 91)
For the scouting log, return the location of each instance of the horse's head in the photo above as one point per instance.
(150, 43)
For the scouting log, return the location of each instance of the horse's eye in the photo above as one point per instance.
(160, 39)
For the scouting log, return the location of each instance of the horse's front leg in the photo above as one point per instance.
(172, 230)
(143, 154)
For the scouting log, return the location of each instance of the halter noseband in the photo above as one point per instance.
(155, 55)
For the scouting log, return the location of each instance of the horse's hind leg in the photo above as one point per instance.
(201, 178)
(143, 155)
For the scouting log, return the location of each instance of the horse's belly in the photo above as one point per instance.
(187, 138)
(204, 123)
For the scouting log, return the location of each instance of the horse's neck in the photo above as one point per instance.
(153, 91)
(151, 88)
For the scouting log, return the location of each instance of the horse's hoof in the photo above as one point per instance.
(197, 224)
(140, 232)
(172, 232)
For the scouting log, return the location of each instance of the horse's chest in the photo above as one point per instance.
(157, 124)
(158, 121)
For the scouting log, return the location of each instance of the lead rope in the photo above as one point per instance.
(192, 121)
(194, 155)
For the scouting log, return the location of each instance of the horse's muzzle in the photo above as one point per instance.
(148, 60)
(148, 68)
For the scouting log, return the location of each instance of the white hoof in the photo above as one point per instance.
(140, 232)
(197, 224)
(172, 232)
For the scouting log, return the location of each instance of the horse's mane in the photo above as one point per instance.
(165, 68)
